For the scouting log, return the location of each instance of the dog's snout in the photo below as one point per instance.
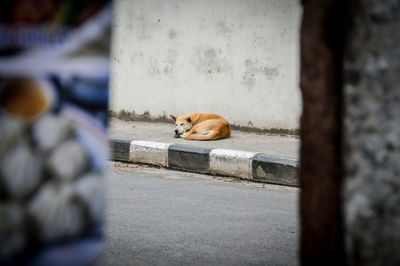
(176, 131)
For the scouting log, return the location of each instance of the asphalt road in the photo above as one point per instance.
(164, 217)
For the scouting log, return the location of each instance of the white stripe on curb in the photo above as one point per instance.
(231, 162)
(149, 152)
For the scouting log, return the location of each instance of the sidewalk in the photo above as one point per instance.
(272, 145)
(252, 156)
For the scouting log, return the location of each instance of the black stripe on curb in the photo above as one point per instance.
(274, 170)
(120, 149)
(189, 158)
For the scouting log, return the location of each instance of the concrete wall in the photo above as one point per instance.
(237, 58)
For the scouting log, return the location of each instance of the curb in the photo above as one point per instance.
(245, 165)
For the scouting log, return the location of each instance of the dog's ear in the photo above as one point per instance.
(173, 117)
(189, 120)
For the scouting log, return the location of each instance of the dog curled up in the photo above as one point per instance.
(201, 126)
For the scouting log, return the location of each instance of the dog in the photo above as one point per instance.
(201, 126)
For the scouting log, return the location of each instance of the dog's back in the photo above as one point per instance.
(200, 117)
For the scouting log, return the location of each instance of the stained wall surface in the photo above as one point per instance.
(239, 59)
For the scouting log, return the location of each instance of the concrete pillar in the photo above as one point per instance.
(371, 133)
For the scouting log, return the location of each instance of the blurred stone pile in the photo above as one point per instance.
(48, 189)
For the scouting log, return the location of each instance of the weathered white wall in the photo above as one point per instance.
(239, 59)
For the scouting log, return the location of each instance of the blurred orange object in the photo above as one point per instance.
(24, 98)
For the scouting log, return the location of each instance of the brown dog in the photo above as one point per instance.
(201, 126)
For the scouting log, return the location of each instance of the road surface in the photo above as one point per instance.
(163, 217)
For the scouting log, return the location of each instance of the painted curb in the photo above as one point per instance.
(272, 170)
(231, 162)
(149, 152)
(245, 165)
(189, 158)
(119, 149)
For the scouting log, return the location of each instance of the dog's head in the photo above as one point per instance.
(182, 125)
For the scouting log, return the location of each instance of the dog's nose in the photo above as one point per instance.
(176, 131)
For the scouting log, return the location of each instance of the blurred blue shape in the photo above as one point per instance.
(91, 92)
(83, 251)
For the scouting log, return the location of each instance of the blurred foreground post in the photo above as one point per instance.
(320, 172)
(350, 132)
(54, 72)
